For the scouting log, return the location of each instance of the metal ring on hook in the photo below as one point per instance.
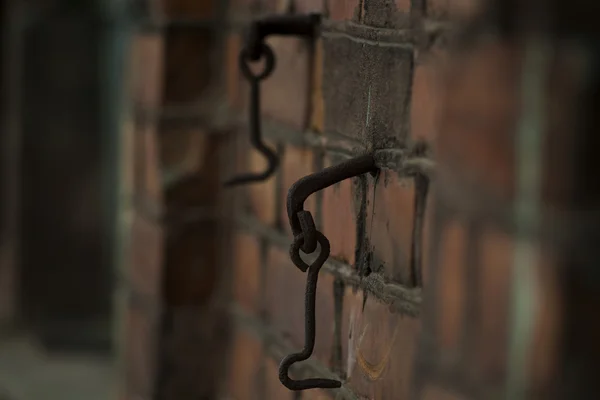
(309, 318)
(267, 53)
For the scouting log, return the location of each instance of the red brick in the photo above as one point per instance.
(262, 196)
(480, 104)
(451, 284)
(426, 244)
(285, 94)
(247, 272)
(141, 341)
(378, 348)
(339, 219)
(286, 281)
(425, 105)
(549, 323)
(489, 347)
(148, 182)
(306, 6)
(390, 220)
(274, 389)
(344, 9)
(246, 352)
(296, 163)
(146, 252)
(317, 119)
(146, 71)
(235, 89)
(435, 392)
(316, 395)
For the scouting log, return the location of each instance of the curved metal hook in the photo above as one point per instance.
(255, 126)
(299, 191)
(309, 321)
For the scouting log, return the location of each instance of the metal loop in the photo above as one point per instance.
(267, 53)
(307, 224)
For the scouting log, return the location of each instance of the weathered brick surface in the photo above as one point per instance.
(385, 13)
(378, 348)
(366, 90)
(390, 226)
(340, 218)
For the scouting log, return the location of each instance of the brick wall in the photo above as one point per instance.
(435, 288)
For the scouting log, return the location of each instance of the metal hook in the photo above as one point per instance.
(255, 49)
(310, 184)
(306, 238)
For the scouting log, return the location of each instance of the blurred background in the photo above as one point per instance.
(466, 269)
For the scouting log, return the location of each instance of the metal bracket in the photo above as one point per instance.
(255, 49)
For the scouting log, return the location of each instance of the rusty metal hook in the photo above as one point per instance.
(254, 50)
(306, 238)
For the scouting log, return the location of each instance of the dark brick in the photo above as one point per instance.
(247, 273)
(366, 90)
(453, 8)
(306, 6)
(192, 9)
(386, 13)
(192, 268)
(193, 343)
(188, 68)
